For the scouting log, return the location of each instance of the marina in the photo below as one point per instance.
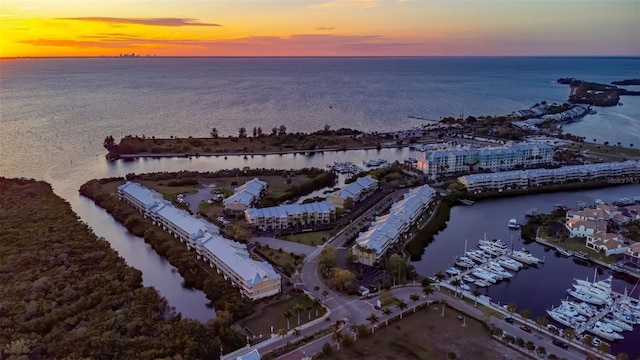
(536, 288)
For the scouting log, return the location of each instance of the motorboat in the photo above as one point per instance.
(453, 271)
(495, 243)
(571, 312)
(513, 224)
(481, 283)
(524, 257)
(469, 279)
(604, 332)
(495, 268)
(615, 324)
(604, 285)
(632, 304)
(562, 319)
(486, 276)
(563, 252)
(596, 342)
(490, 250)
(464, 287)
(590, 290)
(464, 262)
(626, 317)
(477, 256)
(374, 162)
(585, 297)
(510, 264)
(581, 308)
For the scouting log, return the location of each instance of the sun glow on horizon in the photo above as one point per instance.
(50, 28)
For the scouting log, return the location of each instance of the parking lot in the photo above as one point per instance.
(369, 274)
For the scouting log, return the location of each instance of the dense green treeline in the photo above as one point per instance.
(196, 274)
(66, 294)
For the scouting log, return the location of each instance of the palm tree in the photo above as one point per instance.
(282, 332)
(373, 319)
(541, 350)
(569, 333)
(414, 297)
(401, 305)
(297, 308)
(440, 276)
(541, 321)
(587, 341)
(428, 290)
(511, 308)
(526, 314)
(386, 311)
(337, 338)
(354, 327)
(476, 293)
(456, 283)
(604, 347)
(287, 315)
(214, 133)
(296, 332)
(530, 346)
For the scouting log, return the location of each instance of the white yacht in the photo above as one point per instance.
(632, 304)
(616, 325)
(586, 297)
(469, 279)
(464, 262)
(581, 308)
(524, 257)
(562, 319)
(477, 256)
(490, 250)
(495, 268)
(481, 283)
(593, 291)
(486, 276)
(571, 312)
(604, 332)
(604, 285)
(564, 252)
(510, 264)
(495, 243)
(513, 224)
(453, 271)
(626, 317)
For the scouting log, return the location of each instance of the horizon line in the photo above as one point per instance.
(139, 56)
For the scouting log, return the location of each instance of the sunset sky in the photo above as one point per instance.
(318, 28)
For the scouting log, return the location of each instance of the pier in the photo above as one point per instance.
(602, 313)
(595, 261)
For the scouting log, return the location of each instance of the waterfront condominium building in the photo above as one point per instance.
(291, 215)
(438, 163)
(244, 196)
(356, 191)
(614, 171)
(388, 229)
(254, 279)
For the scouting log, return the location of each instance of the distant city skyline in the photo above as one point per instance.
(50, 28)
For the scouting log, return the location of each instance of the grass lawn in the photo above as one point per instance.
(607, 152)
(308, 238)
(272, 315)
(578, 244)
(283, 259)
(427, 335)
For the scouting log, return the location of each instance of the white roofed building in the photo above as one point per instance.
(388, 229)
(356, 191)
(254, 279)
(291, 215)
(245, 195)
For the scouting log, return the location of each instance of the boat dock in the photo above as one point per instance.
(466, 201)
(602, 313)
(595, 261)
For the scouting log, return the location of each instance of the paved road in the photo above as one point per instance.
(287, 246)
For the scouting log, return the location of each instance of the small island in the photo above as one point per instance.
(627, 82)
(584, 92)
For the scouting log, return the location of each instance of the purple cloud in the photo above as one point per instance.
(143, 21)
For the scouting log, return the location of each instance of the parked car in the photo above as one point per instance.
(525, 328)
(509, 320)
(560, 344)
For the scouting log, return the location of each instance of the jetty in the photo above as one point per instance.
(466, 201)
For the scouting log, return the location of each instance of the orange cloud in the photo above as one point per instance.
(142, 21)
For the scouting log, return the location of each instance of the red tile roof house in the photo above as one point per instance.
(633, 254)
(632, 211)
(584, 228)
(610, 210)
(607, 243)
(587, 214)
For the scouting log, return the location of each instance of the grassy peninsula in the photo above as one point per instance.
(278, 141)
(66, 294)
